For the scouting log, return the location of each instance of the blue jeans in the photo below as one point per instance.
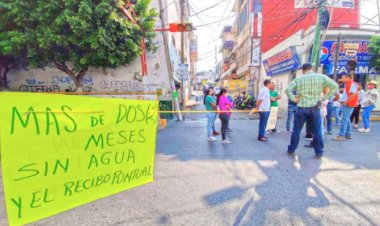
(337, 115)
(322, 126)
(291, 111)
(330, 113)
(366, 115)
(264, 116)
(213, 124)
(210, 123)
(313, 115)
(345, 125)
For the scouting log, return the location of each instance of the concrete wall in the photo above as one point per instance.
(123, 79)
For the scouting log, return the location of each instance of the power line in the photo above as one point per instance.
(210, 7)
(224, 14)
(202, 25)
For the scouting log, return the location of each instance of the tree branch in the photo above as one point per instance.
(63, 67)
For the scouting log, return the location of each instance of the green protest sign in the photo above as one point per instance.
(59, 152)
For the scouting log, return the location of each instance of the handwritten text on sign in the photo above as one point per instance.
(59, 152)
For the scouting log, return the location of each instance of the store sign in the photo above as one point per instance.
(284, 61)
(182, 72)
(193, 51)
(349, 50)
(331, 3)
(255, 57)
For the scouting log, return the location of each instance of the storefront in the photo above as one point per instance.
(350, 51)
(280, 68)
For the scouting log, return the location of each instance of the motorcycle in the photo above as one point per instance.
(245, 103)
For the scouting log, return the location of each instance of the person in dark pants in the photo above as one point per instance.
(330, 112)
(309, 88)
(263, 107)
(225, 107)
(356, 113)
(309, 130)
(292, 107)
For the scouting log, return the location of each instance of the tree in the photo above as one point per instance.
(374, 48)
(74, 35)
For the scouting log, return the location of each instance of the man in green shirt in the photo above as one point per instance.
(309, 88)
(274, 97)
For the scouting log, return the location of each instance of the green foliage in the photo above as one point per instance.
(85, 33)
(374, 47)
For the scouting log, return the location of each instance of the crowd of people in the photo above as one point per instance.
(314, 100)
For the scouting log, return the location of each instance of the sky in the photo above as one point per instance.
(210, 23)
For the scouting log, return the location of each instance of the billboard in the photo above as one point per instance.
(349, 50)
(331, 3)
(284, 61)
(236, 86)
(193, 50)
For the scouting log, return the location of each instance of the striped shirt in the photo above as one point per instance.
(309, 88)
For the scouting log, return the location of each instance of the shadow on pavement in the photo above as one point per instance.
(287, 188)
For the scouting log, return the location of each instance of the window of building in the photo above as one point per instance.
(244, 53)
(243, 18)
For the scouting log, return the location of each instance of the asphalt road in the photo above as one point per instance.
(244, 183)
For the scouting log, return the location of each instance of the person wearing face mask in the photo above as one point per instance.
(369, 101)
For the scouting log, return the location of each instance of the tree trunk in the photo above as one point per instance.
(3, 73)
(77, 78)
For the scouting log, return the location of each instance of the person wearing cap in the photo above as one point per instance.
(369, 101)
(309, 88)
(349, 100)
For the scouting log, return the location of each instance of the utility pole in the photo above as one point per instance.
(169, 66)
(315, 57)
(182, 3)
(336, 59)
(216, 61)
(378, 12)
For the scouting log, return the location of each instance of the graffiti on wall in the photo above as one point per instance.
(56, 84)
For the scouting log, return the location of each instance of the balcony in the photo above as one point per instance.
(228, 45)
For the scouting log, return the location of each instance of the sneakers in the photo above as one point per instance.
(211, 139)
(339, 138)
(364, 130)
(226, 141)
(229, 130)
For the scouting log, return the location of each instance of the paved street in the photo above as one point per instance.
(245, 183)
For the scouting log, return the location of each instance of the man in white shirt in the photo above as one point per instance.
(263, 107)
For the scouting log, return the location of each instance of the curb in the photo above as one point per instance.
(375, 118)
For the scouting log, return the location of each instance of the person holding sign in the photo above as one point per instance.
(263, 107)
(274, 97)
(309, 88)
